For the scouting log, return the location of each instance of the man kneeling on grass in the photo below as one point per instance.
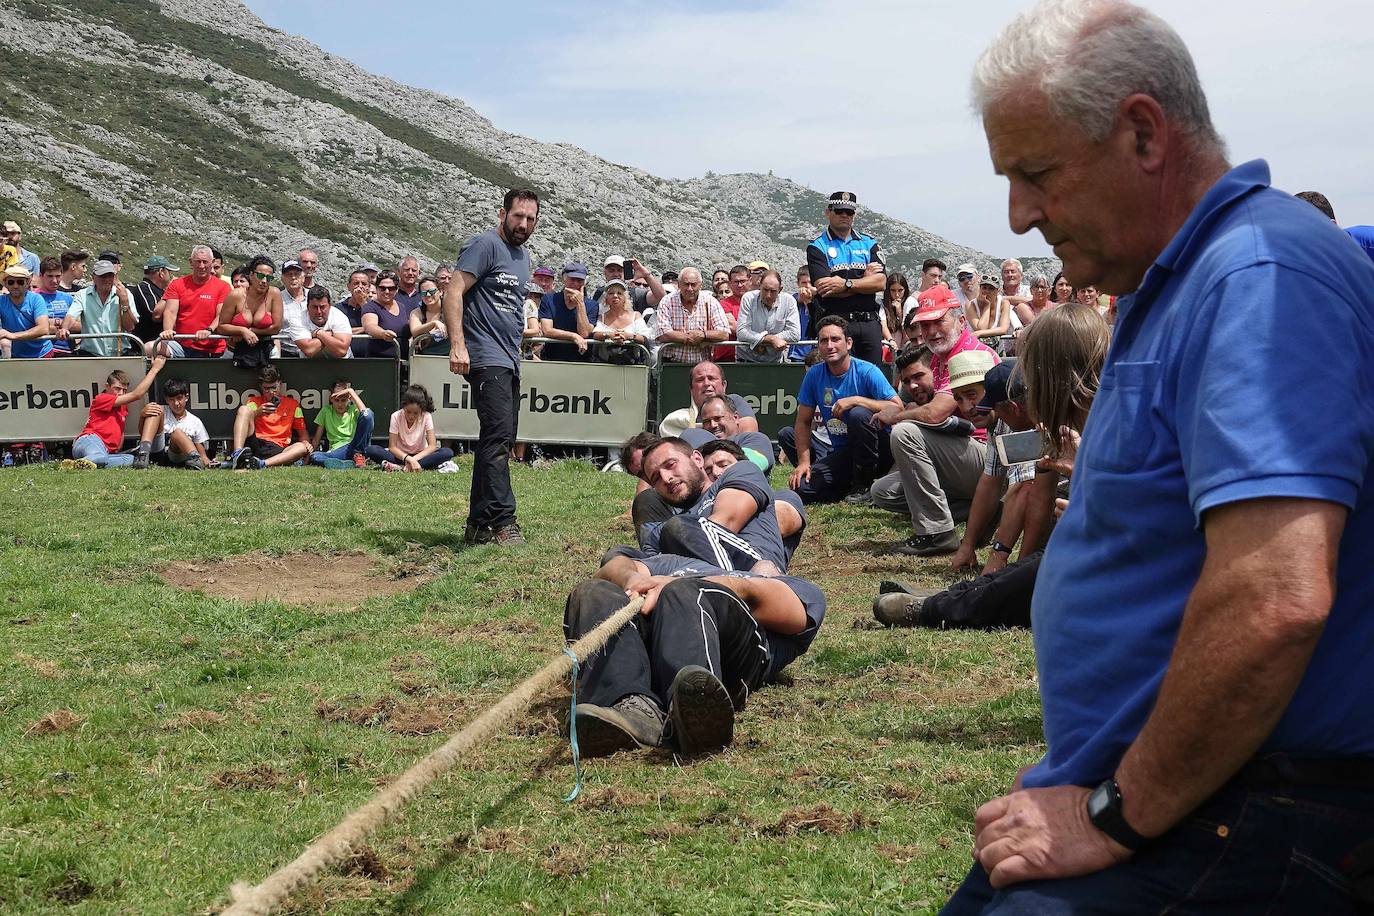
(703, 641)
(265, 427)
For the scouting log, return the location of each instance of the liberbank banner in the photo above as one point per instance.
(46, 400)
(570, 403)
(218, 389)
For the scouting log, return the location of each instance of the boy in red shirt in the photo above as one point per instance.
(98, 445)
(265, 427)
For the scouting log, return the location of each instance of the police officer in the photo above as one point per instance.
(847, 271)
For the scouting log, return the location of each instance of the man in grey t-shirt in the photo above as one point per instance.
(484, 312)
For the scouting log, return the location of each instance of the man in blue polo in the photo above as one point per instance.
(1202, 618)
(569, 314)
(846, 393)
(846, 269)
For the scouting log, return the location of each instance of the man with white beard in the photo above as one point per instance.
(937, 461)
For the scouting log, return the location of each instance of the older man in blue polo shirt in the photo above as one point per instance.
(1202, 617)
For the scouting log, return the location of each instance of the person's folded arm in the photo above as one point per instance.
(771, 602)
(734, 508)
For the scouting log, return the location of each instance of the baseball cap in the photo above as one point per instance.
(669, 276)
(109, 254)
(366, 267)
(12, 226)
(533, 289)
(614, 260)
(158, 262)
(291, 265)
(932, 304)
(575, 270)
(757, 265)
(969, 367)
(990, 280)
(18, 270)
(843, 200)
(963, 269)
(619, 283)
(102, 267)
(543, 272)
(1003, 382)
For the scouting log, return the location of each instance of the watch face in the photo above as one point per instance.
(1100, 800)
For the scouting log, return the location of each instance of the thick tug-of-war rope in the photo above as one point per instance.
(338, 844)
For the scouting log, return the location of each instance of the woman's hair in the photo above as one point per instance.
(897, 278)
(258, 261)
(1054, 285)
(1061, 356)
(419, 396)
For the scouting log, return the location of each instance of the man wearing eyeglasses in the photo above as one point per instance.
(484, 312)
(23, 317)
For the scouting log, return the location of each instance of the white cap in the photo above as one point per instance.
(615, 260)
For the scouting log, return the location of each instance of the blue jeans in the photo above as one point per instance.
(362, 437)
(91, 446)
(864, 455)
(1273, 851)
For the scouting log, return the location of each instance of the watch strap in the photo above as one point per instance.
(1104, 810)
(998, 547)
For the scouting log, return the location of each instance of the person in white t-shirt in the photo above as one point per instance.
(321, 329)
(183, 438)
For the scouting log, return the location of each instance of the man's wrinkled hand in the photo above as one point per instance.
(1035, 834)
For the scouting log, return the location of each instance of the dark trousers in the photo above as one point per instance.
(1002, 599)
(689, 537)
(694, 623)
(496, 397)
(834, 472)
(428, 463)
(1278, 849)
(868, 340)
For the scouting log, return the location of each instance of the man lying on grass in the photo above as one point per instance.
(705, 639)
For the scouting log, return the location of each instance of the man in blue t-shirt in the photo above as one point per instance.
(568, 314)
(484, 311)
(844, 392)
(23, 317)
(1201, 616)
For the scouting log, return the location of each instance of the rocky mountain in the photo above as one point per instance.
(148, 125)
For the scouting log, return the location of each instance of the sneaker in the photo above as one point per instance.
(259, 465)
(194, 464)
(929, 545)
(78, 464)
(634, 721)
(140, 460)
(359, 460)
(448, 467)
(242, 460)
(701, 715)
(391, 466)
(890, 586)
(508, 535)
(900, 609)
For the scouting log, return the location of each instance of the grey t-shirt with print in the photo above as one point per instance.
(494, 306)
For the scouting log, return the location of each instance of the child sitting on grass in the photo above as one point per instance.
(411, 445)
(345, 424)
(98, 445)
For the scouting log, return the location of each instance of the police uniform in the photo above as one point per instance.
(847, 259)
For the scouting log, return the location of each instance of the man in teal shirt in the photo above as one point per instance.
(104, 307)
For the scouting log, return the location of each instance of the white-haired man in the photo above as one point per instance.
(1014, 290)
(1202, 625)
(190, 307)
(688, 320)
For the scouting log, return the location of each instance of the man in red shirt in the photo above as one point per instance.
(265, 426)
(190, 306)
(98, 445)
(739, 285)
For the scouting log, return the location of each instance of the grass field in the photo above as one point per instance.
(157, 744)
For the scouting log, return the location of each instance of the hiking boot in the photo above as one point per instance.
(473, 534)
(243, 460)
(140, 460)
(634, 721)
(860, 495)
(508, 535)
(900, 609)
(929, 545)
(700, 712)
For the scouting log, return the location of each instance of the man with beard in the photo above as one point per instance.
(847, 393)
(485, 316)
(731, 523)
(720, 419)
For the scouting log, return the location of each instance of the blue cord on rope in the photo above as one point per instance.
(572, 730)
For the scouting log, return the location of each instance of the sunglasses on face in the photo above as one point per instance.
(386, 289)
(427, 293)
(16, 281)
(263, 276)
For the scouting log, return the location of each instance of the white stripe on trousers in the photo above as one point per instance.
(719, 537)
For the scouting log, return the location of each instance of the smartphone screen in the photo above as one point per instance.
(1015, 448)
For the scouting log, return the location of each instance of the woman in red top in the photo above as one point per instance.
(98, 445)
(250, 316)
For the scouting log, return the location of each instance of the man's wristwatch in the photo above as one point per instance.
(1104, 810)
(998, 547)
(848, 283)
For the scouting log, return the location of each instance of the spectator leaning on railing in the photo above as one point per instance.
(104, 307)
(689, 320)
(250, 316)
(768, 322)
(191, 307)
(23, 317)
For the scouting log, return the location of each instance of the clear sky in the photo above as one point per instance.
(873, 99)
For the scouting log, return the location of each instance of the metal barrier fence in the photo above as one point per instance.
(575, 403)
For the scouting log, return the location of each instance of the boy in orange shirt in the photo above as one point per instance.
(265, 427)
